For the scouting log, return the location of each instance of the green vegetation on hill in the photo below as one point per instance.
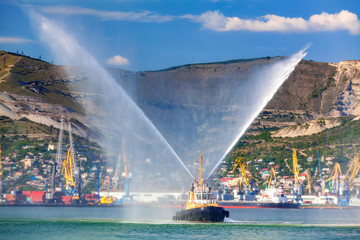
(22, 139)
(35, 78)
(341, 143)
(212, 63)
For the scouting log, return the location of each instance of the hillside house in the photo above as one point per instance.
(51, 147)
(229, 182)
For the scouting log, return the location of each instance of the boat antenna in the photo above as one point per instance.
(200, 169)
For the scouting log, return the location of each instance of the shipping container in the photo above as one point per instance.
(37, 198)
(10, 197)
(27, 193)
(41, 193)
(66, 199)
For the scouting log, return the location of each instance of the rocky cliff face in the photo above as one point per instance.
(321, 92)
(314, 92)
(40, 92)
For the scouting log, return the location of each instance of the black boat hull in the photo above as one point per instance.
(205, 214)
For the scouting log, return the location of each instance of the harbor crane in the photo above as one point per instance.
(67, 172)
(297, 189)
(270, 178)
(116, 177)
(72, 151)
(240, 162)
(58, 160)
(354, 169)
(308, 179)
(321, 177)
(334, 180)
(127, 176)
(348, 180)
(335, 177)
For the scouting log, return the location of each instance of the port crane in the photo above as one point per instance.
(127, 177)
(58, 161)
(334, 180)
(308, 179)
(240, 162)
(354, 169)
(72, 153)
(335, 177)
(116, 177)
(270, 178)
(67, 172)
(297, 189)
(348, 179)
(321, 178)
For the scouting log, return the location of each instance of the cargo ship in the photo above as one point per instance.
(270, 198)
(201, 206)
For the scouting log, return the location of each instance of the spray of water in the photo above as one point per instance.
(275, 75)
(210, 114)
(122, 114)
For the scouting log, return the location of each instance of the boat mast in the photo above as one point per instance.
(200, 169)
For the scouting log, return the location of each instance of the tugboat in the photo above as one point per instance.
(201, 207)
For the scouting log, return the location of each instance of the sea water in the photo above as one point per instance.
(156, 223)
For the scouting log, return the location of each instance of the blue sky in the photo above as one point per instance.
(156, 34)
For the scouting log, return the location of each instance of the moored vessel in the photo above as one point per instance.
(270, 198)
(201, 206)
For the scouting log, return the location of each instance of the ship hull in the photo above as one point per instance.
(205, 214)
(257, 204)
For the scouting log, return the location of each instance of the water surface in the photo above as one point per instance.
(156, 223)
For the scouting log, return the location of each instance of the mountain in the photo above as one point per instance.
(316, 98)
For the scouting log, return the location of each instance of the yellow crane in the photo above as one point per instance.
(335, 175)
(243, 172)
(308, 179)
(67, 172)
(354, 169)
(272, 176)
(295, 169)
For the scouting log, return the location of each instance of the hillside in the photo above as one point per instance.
(314, 110)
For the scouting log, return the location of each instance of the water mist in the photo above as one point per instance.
(208, 113)
(209, 107)
(110, 110)
(263, 84)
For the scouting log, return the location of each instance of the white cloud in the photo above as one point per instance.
(13, 40)
(344, 20)
(215, 20)
(118, 61)
(144, 16)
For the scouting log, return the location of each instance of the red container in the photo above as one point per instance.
(37, 198)
(90, 196)
(41, 193)
(10, 197)
(66, 199)
(27, 193)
